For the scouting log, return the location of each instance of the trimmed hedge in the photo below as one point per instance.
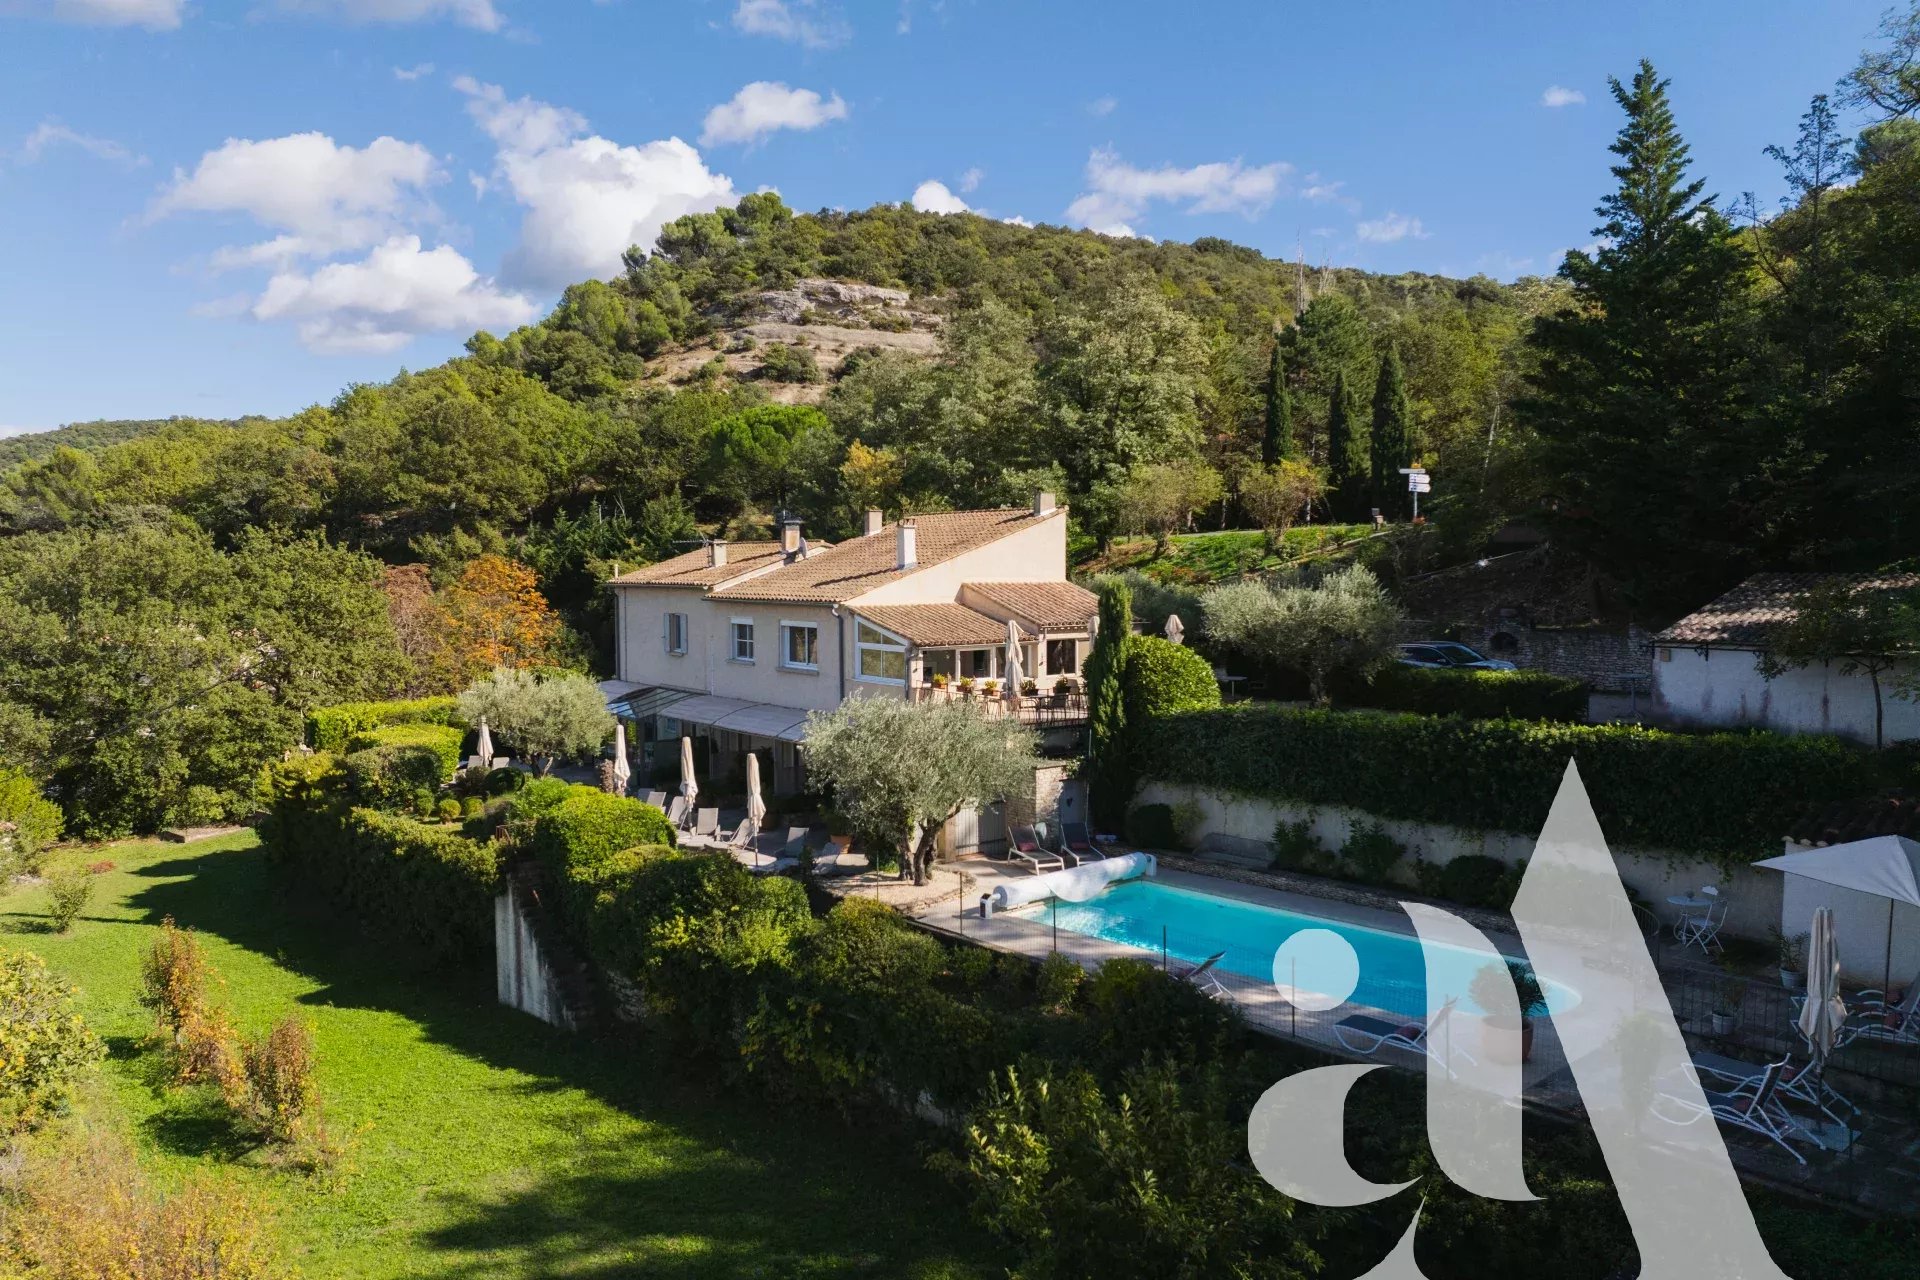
(586, 830)
(1162, 677)
(443, 740)
(1724, 796)
(1478, 695)
(391, 777)
(330, 728)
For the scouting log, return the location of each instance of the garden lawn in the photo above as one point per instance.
(481, 1142)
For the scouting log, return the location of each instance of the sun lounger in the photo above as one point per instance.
(1754, 1107)
(1365, 1034)
(1076, 840)
(1202, 975)
(1806, 1084)
(1024, 846)
(677, 811)
(658, 799)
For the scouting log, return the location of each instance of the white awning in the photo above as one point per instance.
(760, 719)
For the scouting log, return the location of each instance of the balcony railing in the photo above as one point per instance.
(1041, 710)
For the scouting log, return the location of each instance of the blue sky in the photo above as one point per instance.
(213, 207)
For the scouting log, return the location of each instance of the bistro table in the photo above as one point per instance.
(1689, 904)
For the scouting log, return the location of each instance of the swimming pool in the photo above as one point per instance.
(1194, 924)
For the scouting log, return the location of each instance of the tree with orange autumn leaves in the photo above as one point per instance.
(492, 615)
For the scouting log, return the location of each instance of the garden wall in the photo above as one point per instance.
(522, 977)
(1755, 895)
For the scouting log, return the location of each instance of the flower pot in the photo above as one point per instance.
(1722, 1023)
(1791, 979)
(1499, 1044)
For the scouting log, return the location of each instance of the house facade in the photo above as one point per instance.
(1706, 667)
(736, 643)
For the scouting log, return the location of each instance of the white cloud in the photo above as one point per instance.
(933, 196)
(419, 72)
(1118, 193)
(588, 199)
(154, 15)
(1017, 221)
(1561, 96)
(802, 22)
(381, 302)
(970, 180)
(765, 106)
(324, 197)
(51, 133)
(1395, 226)
(478, 14)
(1103, 106)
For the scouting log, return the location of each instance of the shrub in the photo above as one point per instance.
(544, 715)
(1135, 1011)
(275, 1092)
(472, 807)
(86, 1211)
(443, 740)
(1476, 880)
(1162, 678)
(329, 728)
(1151, 825)
(449, 809)
(1724, 796)
(505, 781)
(173, 975)
(393, 777)
(1297, 848)
(1370, 854)
(784, 362)
(68, 893)
(1058, 981)
(43, 1044)
(29, 822)
(588, 826)
(1478, 695)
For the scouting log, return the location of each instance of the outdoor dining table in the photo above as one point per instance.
(1688, 904)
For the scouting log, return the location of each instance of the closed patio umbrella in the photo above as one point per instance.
(1013, 673)
(483, 749)
(1176, 630)
(688, 787)
(622, 771)
(756, 804)
(1883, 866)
(1824, 1012)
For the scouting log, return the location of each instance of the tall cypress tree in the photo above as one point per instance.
(1347, 470)
(1278, 441)
(1642, 393)
(1392, 435)
(1109, 753)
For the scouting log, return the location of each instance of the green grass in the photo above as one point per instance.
(1198, 559)
(485, 1143)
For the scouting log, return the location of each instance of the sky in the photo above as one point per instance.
(220, 207)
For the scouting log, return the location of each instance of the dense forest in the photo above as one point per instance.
(1717, 387)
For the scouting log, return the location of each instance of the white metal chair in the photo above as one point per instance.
(1703, 930)
(1364, 1034)
(1753, 1106)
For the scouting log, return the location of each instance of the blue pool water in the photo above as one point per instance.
(1194, 925)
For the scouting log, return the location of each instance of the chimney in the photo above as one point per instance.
(1043, 503)
(790, 538)
(875, 518)
(909, 544)
(716, 553)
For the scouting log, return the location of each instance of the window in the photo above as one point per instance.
(676, 633)
(882, 655)
(1063, 657)
(743, 639)
(976, 664)
(799, 646)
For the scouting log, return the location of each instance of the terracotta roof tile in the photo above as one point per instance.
(937, 625)
(1744, 617)
(1050, 606)
(692, 569)
(858, 565)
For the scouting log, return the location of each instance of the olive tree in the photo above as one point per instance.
(1346, 624)
(900, 770)
(544, 717)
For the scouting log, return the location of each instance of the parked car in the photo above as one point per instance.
(1450, 654)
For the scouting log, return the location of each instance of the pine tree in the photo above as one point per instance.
(1109, 766)
(1278, 442)
(1347, 467)
(1641, 397)
(1392, 435)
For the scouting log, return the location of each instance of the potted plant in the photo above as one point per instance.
(990, 690)
(1062, 690)
(966, 687)
(1029, 688)
(1497, 1033)
(1729, 992)
(1793, 958)
(938, 679)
